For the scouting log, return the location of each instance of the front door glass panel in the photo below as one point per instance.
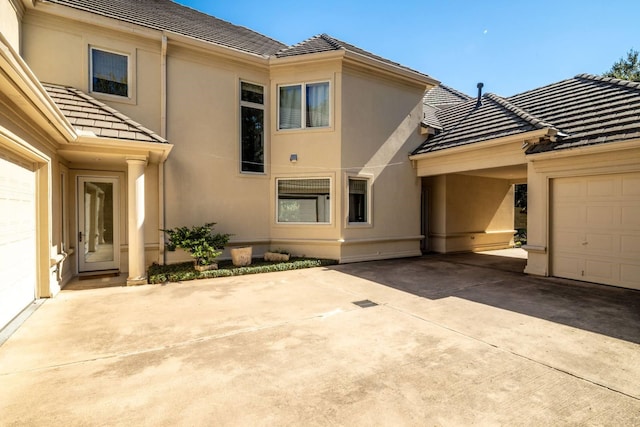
(98, 224)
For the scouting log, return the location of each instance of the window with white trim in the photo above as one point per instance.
(251, 127)
(305, 105)
(304, 200)
(109, 72)
(358, 200)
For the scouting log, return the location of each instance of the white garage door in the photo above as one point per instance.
(595, 229)
(17, 239)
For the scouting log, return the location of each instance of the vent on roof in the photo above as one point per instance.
(479, 101)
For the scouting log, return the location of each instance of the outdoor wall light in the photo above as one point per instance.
(293, 158)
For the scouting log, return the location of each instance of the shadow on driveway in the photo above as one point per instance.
(499, 282)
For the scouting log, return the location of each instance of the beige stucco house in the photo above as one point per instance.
(120, 118)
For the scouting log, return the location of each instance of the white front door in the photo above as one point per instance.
(98, 224)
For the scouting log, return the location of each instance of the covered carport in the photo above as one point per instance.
(575, 143)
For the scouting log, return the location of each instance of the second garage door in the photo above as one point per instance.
(17, 238)
(595, 229)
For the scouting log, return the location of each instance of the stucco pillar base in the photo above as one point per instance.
(137, 281)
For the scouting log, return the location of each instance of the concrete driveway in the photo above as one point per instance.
(453, 340)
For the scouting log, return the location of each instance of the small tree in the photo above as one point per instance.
(199, 241)
(626, 69)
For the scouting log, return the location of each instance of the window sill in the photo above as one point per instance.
(253, 174)
(113, 98)
(359, 225)
(306, 130)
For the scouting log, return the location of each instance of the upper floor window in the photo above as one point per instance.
(252, 127)
(303, 106)
(109, 72)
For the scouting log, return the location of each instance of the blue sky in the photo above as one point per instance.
(510, 46)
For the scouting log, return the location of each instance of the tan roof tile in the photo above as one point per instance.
(97, 117)
(325, 43)
(584, 110)
(170, 16)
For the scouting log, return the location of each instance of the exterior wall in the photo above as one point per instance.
(470, 213)
(202, 176)
(380, 122)
(596, 160)
(11, 12)
(318, 153)
(57, 50)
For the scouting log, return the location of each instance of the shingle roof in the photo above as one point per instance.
(170, 16)
(325, 43)
(584, 110)
(88, 114)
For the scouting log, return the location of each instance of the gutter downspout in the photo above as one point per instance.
(163, 133)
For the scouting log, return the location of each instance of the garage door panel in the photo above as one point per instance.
(629, 274)
(630, 186)
(603, 216)
(601, 242)
(601, 188)
(599, 269)
(569, 241)
(630, 216)
(569, 190)
(572, 215)
(630, 245)
(568, 266)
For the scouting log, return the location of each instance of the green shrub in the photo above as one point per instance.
(199, 241)
(185, 271)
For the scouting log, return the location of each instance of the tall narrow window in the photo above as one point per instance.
(252, 127)
(303, 106)
(109, 72)
(304, 200)
(358, 203)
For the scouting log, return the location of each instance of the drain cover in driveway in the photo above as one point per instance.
(365, 303)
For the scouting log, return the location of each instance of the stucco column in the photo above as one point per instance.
(135, 216)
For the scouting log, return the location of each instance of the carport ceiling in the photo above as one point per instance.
(515, 172)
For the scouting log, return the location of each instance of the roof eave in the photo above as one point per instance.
(98, 144)
(143, 31)
(585, 149)
(306, 58)
(531, 136)
(386, 68)
(210, 47)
